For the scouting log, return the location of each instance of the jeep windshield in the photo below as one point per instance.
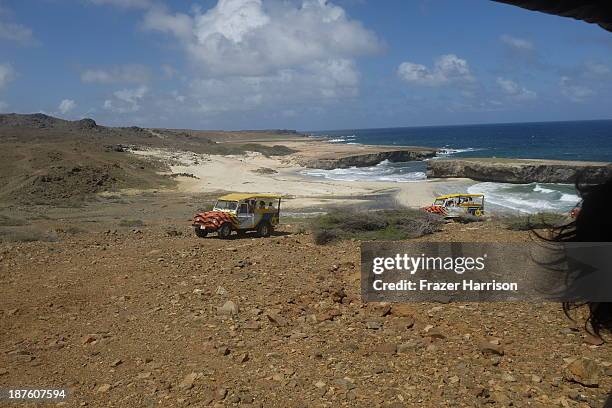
(224, 205)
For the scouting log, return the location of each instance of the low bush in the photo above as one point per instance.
(131, 223)
(6, 221)
(374, 225)
(276, 150)
(534, 221)
(242, 148)
(27, 235)
(70, 230)
(468, 219)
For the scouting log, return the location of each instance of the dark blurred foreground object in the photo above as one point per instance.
(592, 224)
(594, 11)
(586, 226)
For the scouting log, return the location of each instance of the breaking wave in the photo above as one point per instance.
(528, 198)
(448, 151)
(384, 171)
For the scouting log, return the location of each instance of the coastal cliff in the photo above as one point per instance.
(344, 161)
(520, 171)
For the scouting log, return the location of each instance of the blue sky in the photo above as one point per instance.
(308, 65)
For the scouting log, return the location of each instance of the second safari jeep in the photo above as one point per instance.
(240, 212)
(456, 205)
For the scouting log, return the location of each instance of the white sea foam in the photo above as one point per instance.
(527, 198)
(571, 198)
(384, 171)
(541, 189)
(341, 139)
(447, 151)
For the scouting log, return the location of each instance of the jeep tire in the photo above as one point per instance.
(264, 229)
(225, 231)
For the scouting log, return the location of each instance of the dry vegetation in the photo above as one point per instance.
(537, 221)
(374, 225)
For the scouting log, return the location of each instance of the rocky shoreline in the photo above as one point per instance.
(367, 159)
(520, 171)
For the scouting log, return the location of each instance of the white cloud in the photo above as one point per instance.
(515, 90)
(248, 38)
(574, 92)
(254, 55)
(446, 69)
(15, 32)
(169, 71)
(596, 69)
(319, 82)
(3, 106)
(178, 97)
(131, 73)
(179, 24)
(12, 31)
(517, 44)
(66, 105)
(126, 100)
(124, 3)
(7, 74)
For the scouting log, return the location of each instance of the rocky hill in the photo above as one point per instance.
(47, 160)
(42, 121)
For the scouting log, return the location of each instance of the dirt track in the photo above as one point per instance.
(132, 319)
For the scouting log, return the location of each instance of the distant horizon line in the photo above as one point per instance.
(457, 125)
(268, 129)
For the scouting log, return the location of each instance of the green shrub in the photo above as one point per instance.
(374, 225)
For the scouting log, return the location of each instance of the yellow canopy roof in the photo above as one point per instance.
(245, 196)
(443, 197)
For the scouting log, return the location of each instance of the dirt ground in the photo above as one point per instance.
(124, 306)
(105, 290)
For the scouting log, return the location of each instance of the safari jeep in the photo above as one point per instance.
(455, 205)
(241, 213)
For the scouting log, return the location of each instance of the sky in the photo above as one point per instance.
(300, 64)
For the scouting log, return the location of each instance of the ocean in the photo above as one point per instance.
(577, 140)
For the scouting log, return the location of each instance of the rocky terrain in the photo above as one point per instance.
(520, 170)
(105, 290)
(138, 314)
(343, 161)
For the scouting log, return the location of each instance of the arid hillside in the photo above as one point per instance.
(45, 160)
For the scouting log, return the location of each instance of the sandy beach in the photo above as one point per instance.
(254, 172)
